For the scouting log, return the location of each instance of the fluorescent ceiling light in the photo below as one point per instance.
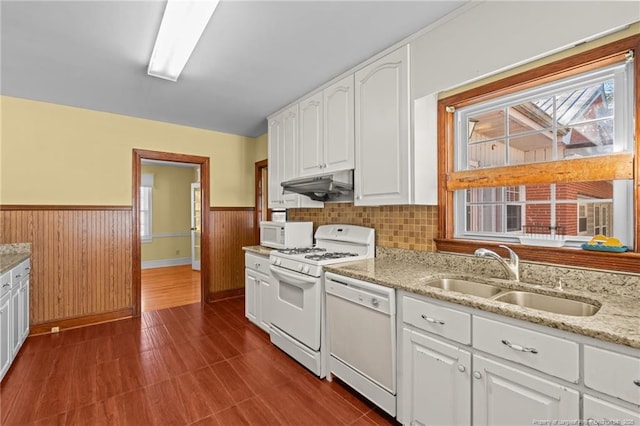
(182, 25)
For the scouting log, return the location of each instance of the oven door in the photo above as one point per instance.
(296, 309)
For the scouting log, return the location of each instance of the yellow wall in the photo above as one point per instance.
(171, 200)
(261, 147)
(60, 155)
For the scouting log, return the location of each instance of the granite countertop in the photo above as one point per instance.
(261, 250)
(12, 254)
(617, 321)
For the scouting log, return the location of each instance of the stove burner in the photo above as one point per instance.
(302, 250)
(330, 255)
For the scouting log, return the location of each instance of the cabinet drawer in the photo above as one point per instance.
(19, 272)
(612, 373)
(257, 263)
(437, 319)
(552, 355)
(5, 282)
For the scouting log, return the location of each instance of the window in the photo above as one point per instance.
(146, 191)
(549, 151)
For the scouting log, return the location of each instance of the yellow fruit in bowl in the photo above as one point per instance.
(613, 242)
(598, 240)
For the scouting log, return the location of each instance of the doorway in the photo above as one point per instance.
(199, 229)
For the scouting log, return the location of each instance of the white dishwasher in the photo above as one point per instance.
(361, 332)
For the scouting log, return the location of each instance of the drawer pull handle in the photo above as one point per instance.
(519, 348)
(431, 320)
(636, 382)
(18, 275)
(5, 285)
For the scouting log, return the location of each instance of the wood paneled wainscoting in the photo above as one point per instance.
(80, 261)
(231, 229)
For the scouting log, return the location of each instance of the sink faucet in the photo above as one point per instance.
(511, 266)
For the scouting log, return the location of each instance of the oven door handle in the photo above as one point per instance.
(293, 278)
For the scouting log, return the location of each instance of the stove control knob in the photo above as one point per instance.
(375, 303)
(306, 269)
(300, 268)
(277, 262)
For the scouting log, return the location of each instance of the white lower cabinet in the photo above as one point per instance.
(14, 313)
(504, 395)
(5, 333)
(437, 381)
(462, 366)
(257, 290)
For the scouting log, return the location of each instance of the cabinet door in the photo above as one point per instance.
(505, 396)
(382, 131)
(275, 141)
(287, 155)
(5, 333)
(250, 295)
(599, 412)
(24, 324)
(437, 381)
(265, 301)
(311, 136)
(339, 132)
(16, 319)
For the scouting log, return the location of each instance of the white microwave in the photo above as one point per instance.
(282, 235)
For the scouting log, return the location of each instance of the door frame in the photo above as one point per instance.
(259, 166)
(205, 265)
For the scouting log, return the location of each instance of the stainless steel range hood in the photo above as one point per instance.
(327, 188)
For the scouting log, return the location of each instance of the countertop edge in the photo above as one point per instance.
(599, 327)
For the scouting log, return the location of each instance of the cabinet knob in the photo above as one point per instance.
(461, 368)
(636, 382)
(477, 375)
(319, 166)
(257, 265)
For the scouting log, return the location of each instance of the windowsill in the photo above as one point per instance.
(562, 256)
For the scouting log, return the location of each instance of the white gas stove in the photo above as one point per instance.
(297, 324)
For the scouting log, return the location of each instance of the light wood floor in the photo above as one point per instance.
(169, 287)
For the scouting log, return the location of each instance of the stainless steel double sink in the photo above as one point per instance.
(527, 299)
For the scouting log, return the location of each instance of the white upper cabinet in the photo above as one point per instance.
(326, 130)
(283, 160)
(382, 131)
(339, 133)
(311, 135)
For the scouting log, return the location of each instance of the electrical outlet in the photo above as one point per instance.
(177, 251)
(55, 329)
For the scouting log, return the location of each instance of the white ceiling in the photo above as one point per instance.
(254, 56)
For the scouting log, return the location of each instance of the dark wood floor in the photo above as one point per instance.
(192, 364)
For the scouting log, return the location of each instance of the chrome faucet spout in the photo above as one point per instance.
(511, 266)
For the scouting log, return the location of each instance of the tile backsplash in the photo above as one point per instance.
(404, 227)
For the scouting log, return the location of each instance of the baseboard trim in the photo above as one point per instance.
(161, 263)
(65, 324)
(225, 294)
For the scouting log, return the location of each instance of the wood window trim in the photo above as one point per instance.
(621, 166)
